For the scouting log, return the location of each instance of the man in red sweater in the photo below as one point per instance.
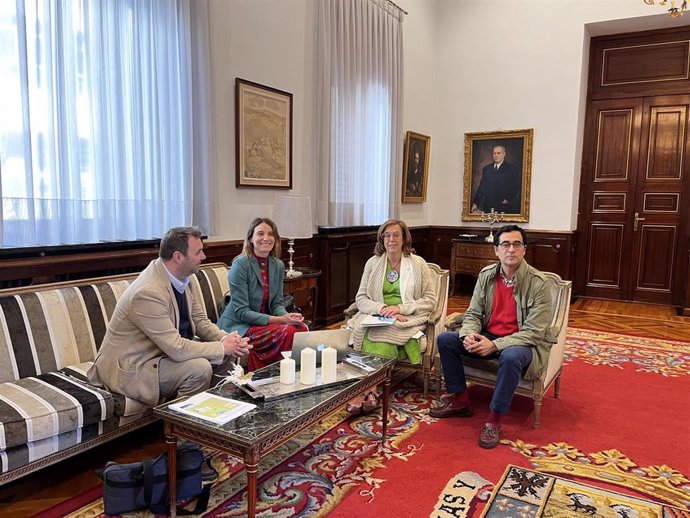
(508, 319)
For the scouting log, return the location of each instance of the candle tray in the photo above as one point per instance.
(271, 388)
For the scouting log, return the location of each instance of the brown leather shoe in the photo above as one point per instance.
(490, 436)
(449, 407)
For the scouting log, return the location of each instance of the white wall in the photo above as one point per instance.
(470, 65)
(419, 49)
(269, 42)
(510, 64)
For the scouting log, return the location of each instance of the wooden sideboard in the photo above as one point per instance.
(305, 289)
(469, 257)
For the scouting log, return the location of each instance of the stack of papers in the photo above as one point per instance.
(210, 407)
(376, 321)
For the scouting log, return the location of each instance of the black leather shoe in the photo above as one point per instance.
(490, 436)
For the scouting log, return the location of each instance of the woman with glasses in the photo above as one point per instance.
(256, 308)
(396, 283)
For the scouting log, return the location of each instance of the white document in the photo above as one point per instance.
(210, 407)
(377, 321)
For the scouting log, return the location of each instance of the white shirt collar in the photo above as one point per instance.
(179, 285)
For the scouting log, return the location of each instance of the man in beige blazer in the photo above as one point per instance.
(148, 351)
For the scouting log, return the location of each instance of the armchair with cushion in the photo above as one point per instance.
(434, 326)
(483, 372)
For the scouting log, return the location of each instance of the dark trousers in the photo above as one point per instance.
(512, 363)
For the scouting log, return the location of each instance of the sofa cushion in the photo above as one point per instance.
(18, 456)
(39, 407)
(124, 406)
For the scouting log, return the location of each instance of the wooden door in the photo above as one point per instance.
(657, 223)
(631, 199)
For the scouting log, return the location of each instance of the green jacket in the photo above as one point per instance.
(534, 313)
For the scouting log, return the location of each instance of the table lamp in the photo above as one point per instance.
(292, 214)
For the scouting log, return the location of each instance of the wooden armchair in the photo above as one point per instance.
(483, 372)
(434, 326)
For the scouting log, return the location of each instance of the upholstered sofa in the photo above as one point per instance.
(49, 335)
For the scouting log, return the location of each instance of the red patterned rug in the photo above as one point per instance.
(620, 423)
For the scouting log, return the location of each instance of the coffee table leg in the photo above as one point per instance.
(171, 442)
(384, 410)
(251, 464)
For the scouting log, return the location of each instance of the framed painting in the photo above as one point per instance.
(415, 167)
(263, 136)
(498, 172)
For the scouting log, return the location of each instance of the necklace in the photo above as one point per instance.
(393, 274)
(508, 283)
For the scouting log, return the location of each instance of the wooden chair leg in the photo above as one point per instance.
(537, 412)
(557, 386)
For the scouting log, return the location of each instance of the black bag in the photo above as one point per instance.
(144, 485)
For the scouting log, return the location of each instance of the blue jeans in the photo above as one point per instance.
(512, 362)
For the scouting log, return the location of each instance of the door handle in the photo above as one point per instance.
(637, 218)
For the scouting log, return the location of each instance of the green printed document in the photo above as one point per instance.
(210, 407)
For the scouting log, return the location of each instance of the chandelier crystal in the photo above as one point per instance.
(674, 11)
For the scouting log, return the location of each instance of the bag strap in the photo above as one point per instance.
(201, 499)
(148, 480)
(201, 504)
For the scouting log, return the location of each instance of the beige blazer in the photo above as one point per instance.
(144, 329)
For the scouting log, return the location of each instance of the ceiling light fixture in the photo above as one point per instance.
(674, 11)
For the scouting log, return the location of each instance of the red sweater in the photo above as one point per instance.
(503, 321)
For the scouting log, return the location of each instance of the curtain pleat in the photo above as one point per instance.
(360, 98)
(106, 141)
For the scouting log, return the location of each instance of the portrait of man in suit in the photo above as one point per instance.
(416, 167)
(499, 187)
(498, 172)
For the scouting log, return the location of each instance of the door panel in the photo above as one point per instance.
(656, 258)
(606, 253)
(608, 191)
(658, 201)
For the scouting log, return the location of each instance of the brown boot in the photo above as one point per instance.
(450, 405)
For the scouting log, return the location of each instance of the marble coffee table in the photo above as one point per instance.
(272, 423)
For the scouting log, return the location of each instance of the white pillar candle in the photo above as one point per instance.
(287, 371)
(307, 374)
(329, 364)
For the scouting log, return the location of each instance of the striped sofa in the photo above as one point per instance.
(49, 335)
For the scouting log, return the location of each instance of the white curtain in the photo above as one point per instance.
(359, 133)
(103, 108)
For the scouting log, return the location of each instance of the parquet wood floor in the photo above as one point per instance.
(52, 485)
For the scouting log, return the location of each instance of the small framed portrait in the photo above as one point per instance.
(415, 167)
(498, 172)
(263, 136)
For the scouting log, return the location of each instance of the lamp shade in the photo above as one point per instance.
(292, 214)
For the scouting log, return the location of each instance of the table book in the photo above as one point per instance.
(210, 407)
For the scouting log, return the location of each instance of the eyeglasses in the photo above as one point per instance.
(517, 245)
(394, 235)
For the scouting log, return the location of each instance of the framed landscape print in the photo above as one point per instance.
(498, 172)
(263, 136)
(415, 167)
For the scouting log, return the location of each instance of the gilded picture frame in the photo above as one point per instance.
(415, 167)
(263, 136)
(498, 174)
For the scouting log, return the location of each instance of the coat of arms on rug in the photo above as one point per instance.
(530, 494)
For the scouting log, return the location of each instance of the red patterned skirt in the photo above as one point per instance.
(269, 341)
